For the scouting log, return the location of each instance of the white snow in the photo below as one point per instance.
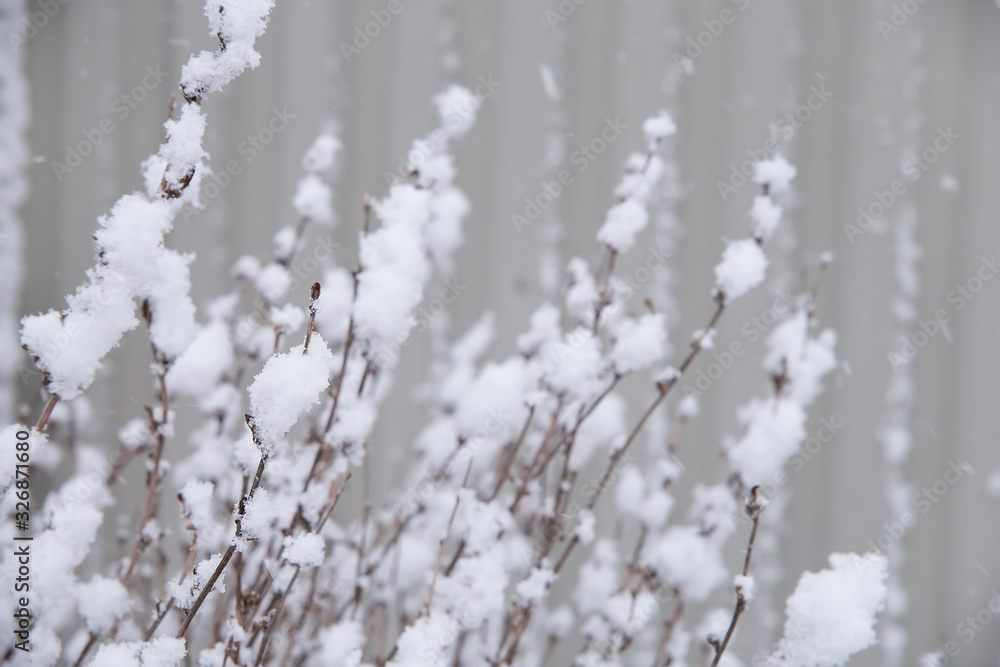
(765, 215)
(832, 613)
(741, 269)
(777, 173)
(639, 343)
(101, 601)
(306, 550)
(535, 587)
(286, 388)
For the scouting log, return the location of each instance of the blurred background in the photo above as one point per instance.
(866, 85)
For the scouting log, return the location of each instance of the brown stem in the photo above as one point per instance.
(43, 419)
(754, 510)
(313, 295)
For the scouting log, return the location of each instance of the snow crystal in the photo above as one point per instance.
(832, 613)
(306, 550)
(777, 173)
(741, 269)
(287, 387)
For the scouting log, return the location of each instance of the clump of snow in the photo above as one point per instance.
(333, 307)
(585, 530)
(741, 269)
(625, 220)
(776, 173)
(201, 366)
(659, 127)
(765, 215)
(286, 388)
(533, 589)
(187, 591)
(312, 200)
(832, 613)
(395, 268)
(457, 108)
(685, 559)
(581, 294)
(639, 343)
(306, 550)
(258, 514)
(160, 652)
(238, 24)
(746, 586)
(340, 645)
(198, 499)
(101, 601)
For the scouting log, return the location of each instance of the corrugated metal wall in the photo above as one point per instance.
(890, 93)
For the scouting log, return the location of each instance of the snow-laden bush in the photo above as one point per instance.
(460, 567)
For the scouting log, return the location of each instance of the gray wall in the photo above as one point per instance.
(891, 95)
